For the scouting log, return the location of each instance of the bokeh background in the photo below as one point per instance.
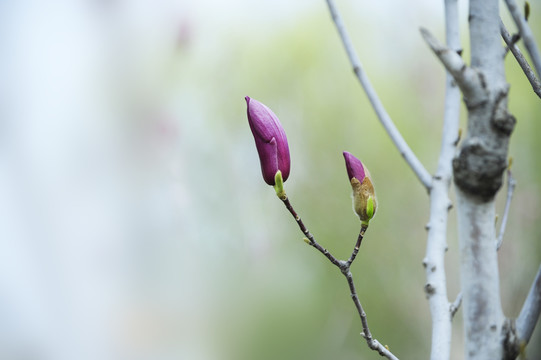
(134, 222)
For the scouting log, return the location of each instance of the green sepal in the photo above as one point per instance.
(279, 185)
(369, 211)
(370, 207)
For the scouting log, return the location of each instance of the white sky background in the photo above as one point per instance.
(101, 229)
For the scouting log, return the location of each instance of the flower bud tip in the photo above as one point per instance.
(270, 140)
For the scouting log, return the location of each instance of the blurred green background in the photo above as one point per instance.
(178, 249)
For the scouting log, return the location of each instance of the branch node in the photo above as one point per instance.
(453, 308)
(429, 290)
(511, 342)
(458, 137)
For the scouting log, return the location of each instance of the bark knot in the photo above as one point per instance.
(478, 169)
(429, 289)
(501, 120)
(511, 343)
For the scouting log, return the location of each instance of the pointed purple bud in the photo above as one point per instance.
(270, 141)
(354, 167)
(364, 195)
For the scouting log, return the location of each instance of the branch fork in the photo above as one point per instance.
(344, 267)
(468, 79)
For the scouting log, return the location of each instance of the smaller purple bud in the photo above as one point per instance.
(354, 167)
(364, 195)
(270, 141)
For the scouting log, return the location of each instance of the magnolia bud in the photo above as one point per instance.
(270, 141)
(364, 195)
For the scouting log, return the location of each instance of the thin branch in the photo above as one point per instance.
(526, 68)
(417, 167)
(511, 183)
(530, 311)
(372, 343)
(357, 245)
(344, 269)
(526, 34)
(312, 241)
(456, 305)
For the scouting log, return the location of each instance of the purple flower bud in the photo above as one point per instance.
(364, 195)
(270, 141)
(354, 167)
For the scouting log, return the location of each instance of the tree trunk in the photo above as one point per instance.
(478, 170)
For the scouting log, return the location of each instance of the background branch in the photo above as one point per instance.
(526, 34)
(531, 309)
(422, 174)
(434, 262)
(526, 68)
